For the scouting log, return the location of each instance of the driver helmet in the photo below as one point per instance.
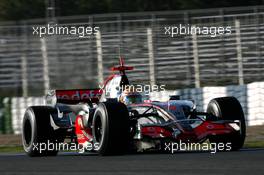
(129, 96)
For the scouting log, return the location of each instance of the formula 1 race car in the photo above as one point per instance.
(116, 120)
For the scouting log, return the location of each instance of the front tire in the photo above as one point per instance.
(110, 128)
(228, 108)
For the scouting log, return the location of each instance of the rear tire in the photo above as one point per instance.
(36, 130)
(228, 108)
(111, 128)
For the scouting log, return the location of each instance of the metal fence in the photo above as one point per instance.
(29, 65)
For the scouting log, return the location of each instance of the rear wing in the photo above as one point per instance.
(73, 96)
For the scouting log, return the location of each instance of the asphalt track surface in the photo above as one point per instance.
(247, 161)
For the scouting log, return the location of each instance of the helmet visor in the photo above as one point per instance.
(130, 99)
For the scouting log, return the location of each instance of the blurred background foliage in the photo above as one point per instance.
(27, 9)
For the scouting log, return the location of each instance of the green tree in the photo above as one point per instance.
(25, 9)
(21, 9)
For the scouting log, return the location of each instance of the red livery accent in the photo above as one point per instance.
(83, 134)
(121, 66)
(73, 96)
(155, 132)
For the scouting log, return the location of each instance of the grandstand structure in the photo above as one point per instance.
(29, 64)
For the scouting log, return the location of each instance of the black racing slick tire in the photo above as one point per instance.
(228, 108)
(37, 132)
(110, 128)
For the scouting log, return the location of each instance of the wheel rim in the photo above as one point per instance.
(98, 129)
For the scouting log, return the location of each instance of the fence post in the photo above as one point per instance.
(119, 26)
(258, 43)
(24, 76)
(196, 60)
(187, 52)
(45, 65)
(239, 53)
(6, 118)
(151, 57)
(99, 57)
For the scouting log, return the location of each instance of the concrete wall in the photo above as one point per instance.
(18, 108)
(250, 96)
